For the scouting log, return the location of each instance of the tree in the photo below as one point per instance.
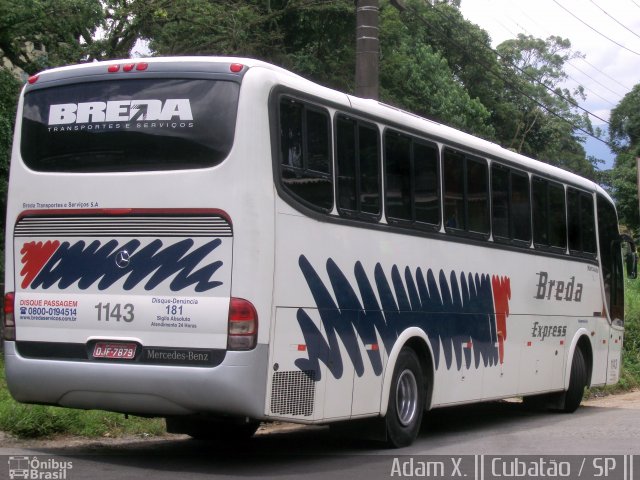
(544, 116)
(624, 136)
(60, 29)
(418, 77)
(314, 39)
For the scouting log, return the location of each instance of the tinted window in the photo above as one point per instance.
(454, 187)
(346, 164)
(305, 153)
(611, 258)
(557, 216)
(412, 190)
(358, 167)
(581, 222)
(397, 149)
(500, 200)
(427, 192)
(466, 193)
(125, 125)
(520, 207)
(369, 154)
(540, 204)
(549, 214)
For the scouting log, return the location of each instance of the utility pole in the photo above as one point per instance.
(367, 48)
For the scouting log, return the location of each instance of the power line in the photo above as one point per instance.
(594, 29)
(608, 76)
(495, 52)
(515, 87)
(596, 81)
(612, 18)
(546, 31)
(569, 63)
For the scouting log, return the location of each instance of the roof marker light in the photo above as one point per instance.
(142, 66)
(236, 67)
(128, 67)
(113, 68)
(33, 79)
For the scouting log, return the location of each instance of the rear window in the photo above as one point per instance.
(125, 125)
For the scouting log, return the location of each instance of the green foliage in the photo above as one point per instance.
(624, 135)
(314, 39)
(418, 78)
(9, 89)
(631, 350)
(33, 421)
(543, 116)
(65, 29)
(624, 124)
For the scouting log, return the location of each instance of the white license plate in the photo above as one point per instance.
(123, 351)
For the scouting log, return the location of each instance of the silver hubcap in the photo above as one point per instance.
(406, 397)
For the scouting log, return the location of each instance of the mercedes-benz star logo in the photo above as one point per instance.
(123, 258)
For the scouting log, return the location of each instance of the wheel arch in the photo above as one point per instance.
(580, 340)
(416, 339)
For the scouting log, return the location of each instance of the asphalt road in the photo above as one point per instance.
(499, 428)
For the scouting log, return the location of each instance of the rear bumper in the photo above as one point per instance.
(235, 387)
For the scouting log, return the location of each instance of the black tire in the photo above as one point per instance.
(577, 382)
(406, 400)
(219, 431)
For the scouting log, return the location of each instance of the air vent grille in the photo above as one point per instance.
(293, 393)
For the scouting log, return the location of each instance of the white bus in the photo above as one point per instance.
(220, 242)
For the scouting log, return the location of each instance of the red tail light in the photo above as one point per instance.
(243, 325)
(9, 323)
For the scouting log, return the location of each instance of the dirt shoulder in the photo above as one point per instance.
(629, 400)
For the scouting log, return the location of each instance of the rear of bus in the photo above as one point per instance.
(138, 232)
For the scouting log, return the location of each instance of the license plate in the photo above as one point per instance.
(123, 351)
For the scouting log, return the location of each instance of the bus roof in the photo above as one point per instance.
(367, 107)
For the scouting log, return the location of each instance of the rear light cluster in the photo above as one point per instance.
(127, 67)
(243, 325)
(9, 323)
(142, 66)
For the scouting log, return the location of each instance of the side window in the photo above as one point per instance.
(426, 176)
(357, 167)
(520, 207)
(511, 214)
(466, 195)
(611, 258)
(581, 222)
(412, 191)
(305, 160)
(397, 164)
(549, 214)
(500, 193)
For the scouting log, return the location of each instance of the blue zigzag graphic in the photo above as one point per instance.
(451, 312)
(87, 264)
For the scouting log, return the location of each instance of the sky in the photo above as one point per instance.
(607, 32)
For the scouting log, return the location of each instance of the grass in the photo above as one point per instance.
(37, 421)
(630, 373)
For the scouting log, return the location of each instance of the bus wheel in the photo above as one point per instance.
(406, 400)
(577, 382)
